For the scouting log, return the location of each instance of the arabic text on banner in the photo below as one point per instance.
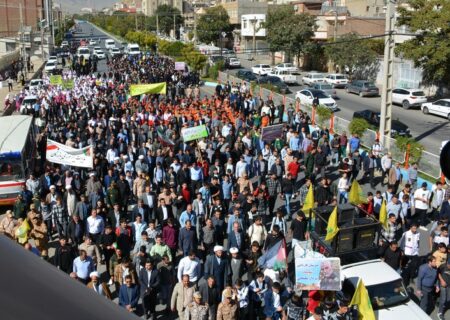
(194, 133)
(318, 274)
(59, 153)
(138, 89)
(180, 66)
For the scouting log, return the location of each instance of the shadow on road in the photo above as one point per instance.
(431, 131)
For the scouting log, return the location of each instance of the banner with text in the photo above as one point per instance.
(180, 66)
(194, 133)
(56, 80)
(59, 153)
(138, 89)
(269, 134)
(318, 274)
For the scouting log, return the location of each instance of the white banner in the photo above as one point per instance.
(59, 153)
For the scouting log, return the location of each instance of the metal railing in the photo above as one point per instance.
(428, 163)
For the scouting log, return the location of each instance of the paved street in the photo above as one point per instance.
(429, 130)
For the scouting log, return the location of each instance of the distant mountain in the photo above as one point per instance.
(74, 6)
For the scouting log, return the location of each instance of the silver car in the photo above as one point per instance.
(325, 87)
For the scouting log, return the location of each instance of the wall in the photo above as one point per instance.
(362, 26)
(10, 15)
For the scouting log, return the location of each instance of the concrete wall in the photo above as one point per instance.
(7, 59)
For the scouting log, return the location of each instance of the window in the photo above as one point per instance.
(244, 24)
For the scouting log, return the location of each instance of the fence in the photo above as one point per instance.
(429, 162)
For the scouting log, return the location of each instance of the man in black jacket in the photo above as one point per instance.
(64, 256)
(76, 230)
(149, 285)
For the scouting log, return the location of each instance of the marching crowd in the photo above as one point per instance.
(184, 224)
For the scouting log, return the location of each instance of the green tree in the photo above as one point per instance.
(430, 48)
(354, 55)
(289, 32)
(358, 126)
(212, 24)
(165, 15)
(324, 115)
(193, 58)
(415, 148)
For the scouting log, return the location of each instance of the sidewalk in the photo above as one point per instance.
(4, 91)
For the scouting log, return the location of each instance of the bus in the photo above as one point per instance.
(17, 155)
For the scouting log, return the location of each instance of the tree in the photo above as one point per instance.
(193, 58)
(415, 148)
(358, 126)
(165, 15)
(429, 49)
(289, 32)
(354, 55)
(212, 24)
(324, 115)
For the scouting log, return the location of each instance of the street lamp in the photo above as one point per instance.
(254, 21)
(223, 34)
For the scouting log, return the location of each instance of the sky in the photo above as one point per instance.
(74, 6)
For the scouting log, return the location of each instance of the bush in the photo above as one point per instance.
(324, 115)
(213, 72)
(415, 151)
(358, 126)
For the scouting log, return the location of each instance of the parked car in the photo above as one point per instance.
(213, 59)
(398, 128)
(285, 76)
(306, 96)
(35, 84)
(337, 80)
(65, 43)
(387, 294)
(50, 66)
(92, 42)
(109, 44)
(408, 98)
(26, 107)
(325, 87)
(261, 69)
(364, 88)
(98, 52)
(246, 75)
(289, 67)
(276, 82)
(313, 77)
(52, 59)
(439, 107)
(233, 63)
(114, 51)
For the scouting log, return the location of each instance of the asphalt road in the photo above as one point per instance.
(429, 130)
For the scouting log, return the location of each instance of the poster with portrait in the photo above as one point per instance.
(318, 274)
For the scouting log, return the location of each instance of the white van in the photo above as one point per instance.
(85, 52)
(133, 49)
(109, 44)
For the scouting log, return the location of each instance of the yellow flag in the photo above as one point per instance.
(356, 195)
(383, 215)
(362, 300)
(22, 232)
(309, 200)
(332, 227)
(138, 89)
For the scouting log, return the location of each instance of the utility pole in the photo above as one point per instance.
(136, 22)
(157, 25)
(253, 22)
(195, 28)
(174, 26)
(335, 24)
(22, 43)
(388, 77)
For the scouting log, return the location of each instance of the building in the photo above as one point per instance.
(15, 12)
(365, 8)
(149, 6)
(252, 33)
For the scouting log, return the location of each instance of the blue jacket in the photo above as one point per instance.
(427, 277)
(123, 296)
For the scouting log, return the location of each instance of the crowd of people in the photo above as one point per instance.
(183, 224)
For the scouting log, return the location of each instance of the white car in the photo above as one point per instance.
(439, 107)
(408, 98)
(114, 51)
(307, 96)
(65, 43)
(98, 52)
(261, 69)
(92, 42)
(85, 52)
(388, 295)
(289, 67)
(35, 84)
(27, 104)
(52, 59)
(109, 44)
(50, 66)
(234, 63)
(337, 80)
(313, 77)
